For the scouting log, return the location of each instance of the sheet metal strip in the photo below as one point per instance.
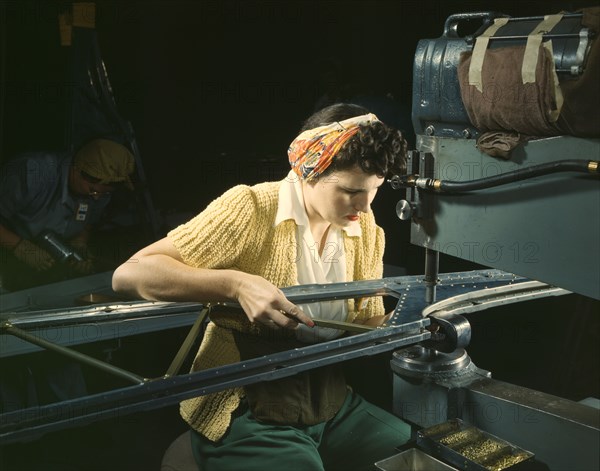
(487, 298)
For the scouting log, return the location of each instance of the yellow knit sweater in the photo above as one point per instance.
(236, 231)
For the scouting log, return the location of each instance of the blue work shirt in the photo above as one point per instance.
(35, 197)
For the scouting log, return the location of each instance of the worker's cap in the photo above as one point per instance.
(107, 161)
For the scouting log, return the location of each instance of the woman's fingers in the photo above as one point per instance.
(294, 312)
(265, 303)
(285, 319)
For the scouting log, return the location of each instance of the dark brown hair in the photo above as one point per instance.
(377, 149)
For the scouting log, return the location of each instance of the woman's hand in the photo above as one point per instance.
(265, 303)
(157, 272)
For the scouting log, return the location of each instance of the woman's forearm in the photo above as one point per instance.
(158, 273)
(161, 278)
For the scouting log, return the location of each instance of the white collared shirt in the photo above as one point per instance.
(329, 267)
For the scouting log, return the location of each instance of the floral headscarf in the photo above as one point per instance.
(313, 150)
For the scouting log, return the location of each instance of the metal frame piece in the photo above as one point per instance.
(73, 354)
(75, 326)
(191, 337)
(21, 424)
(406, 327)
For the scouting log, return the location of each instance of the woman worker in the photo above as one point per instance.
(315, 226)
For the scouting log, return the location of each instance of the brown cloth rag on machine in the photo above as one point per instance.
(506, 106)
(498, 143)
(505, 103)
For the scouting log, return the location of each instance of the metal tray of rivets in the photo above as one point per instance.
(470, 448)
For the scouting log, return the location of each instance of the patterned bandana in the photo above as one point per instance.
(312, 151)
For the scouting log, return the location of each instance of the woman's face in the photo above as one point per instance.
(340, 197)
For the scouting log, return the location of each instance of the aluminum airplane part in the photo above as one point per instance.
(491, 297)
(407, 326)
(86, 324)
(71, 325)
(156, 393)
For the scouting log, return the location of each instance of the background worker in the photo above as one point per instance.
(62, 195)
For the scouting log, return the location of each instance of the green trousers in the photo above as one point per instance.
(356, 437)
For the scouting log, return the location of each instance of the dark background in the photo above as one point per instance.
(216, 90)
(225, 82)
